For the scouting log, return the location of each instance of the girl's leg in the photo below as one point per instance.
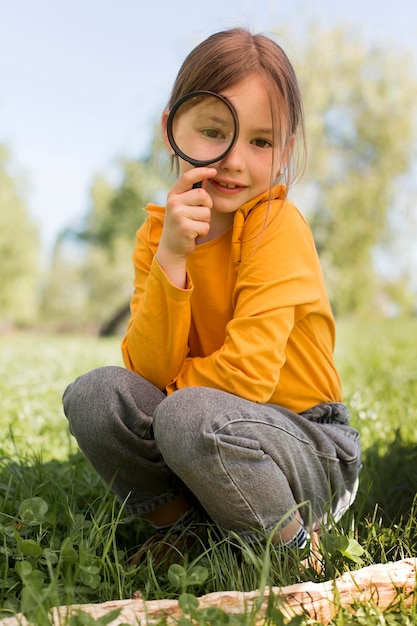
(252, 466)
(110, 413)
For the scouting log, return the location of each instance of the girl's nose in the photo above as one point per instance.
(235, 159)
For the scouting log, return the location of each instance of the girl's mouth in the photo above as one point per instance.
(226, 186)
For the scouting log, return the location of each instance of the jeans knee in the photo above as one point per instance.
(182, 428)
(86, 399)
(89, 386)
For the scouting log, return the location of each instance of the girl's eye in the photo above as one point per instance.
(212, 133)
(262, 143)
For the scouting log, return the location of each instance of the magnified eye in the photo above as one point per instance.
(213, 133)
(202, 127)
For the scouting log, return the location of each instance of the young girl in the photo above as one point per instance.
(230, 401)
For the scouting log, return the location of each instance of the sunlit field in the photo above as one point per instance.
(64, 540)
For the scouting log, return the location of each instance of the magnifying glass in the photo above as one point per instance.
(202, 128)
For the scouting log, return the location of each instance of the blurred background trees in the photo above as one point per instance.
(358, 194)
(360, 107)
(96, 257)
(19, 248)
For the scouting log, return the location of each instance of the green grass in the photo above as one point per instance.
(64, 540)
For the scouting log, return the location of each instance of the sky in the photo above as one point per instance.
(83, 82)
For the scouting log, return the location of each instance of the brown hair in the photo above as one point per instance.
(226, 58)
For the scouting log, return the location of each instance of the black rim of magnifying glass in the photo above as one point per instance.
(176, 106)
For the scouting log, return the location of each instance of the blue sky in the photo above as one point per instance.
(83, 81)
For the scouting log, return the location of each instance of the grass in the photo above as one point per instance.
(64, 540)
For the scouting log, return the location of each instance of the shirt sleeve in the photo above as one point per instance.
(156, 341)
(279, 282)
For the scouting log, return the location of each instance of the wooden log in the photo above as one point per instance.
(378, 585)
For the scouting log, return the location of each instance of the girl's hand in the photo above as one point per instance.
(188, 213)
(187, 217)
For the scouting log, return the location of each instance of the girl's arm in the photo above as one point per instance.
(156, 341)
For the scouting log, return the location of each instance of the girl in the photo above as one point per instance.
(230, 401)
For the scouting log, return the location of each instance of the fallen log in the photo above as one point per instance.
(379, 585)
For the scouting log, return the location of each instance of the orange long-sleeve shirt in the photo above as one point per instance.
(253, 320)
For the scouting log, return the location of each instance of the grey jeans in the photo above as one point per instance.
(250, 466)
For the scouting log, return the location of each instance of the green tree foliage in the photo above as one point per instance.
(84, 289)
(360, 121)
(63, 297)
(116, 212)
(19, 249)
(96, 259)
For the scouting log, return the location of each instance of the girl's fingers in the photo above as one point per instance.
(188, 212)
(193, 176)
(198, 213)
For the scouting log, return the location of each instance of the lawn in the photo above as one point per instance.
(64, 540)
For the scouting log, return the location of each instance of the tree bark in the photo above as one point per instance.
(110, 328)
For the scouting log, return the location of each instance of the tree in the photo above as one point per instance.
(96, 258)
(19, 249)
(360, 124)
(117, 212)
(112, 222)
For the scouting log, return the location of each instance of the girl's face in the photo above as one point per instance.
(256, 156)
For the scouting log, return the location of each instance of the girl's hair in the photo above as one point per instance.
(225, 59)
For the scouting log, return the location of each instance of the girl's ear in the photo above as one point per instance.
(164, 121)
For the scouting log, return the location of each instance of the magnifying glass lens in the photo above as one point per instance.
(202, 128)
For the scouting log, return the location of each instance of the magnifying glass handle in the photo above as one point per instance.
(197, 185)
